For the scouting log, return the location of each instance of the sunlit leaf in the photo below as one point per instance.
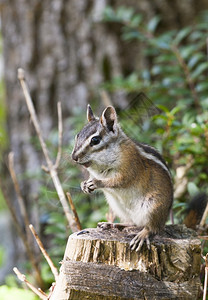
(199, 70)
(186, 51)
(136, 20)
(182, 34)
(195, 59)
(153, 23)
(202, 86)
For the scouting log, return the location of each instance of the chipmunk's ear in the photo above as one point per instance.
(109, 119)
(90, 115)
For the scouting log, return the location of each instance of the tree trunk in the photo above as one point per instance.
(67, 52)
(99, 264)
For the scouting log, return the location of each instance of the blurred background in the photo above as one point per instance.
(77, 52)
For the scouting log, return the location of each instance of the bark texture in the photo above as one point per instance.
(100, 265)
(67, 51)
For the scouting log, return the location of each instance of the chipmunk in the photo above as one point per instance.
(133, 176)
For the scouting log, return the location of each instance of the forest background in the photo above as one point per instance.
(71, 52)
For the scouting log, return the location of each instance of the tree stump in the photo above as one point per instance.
(98, 264)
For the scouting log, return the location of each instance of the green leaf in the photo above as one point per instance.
(196, 129)
(187, 51)
(2, 255)
(163, 108)
(132, 35)
(192, 188)
(203, 176)
(164, 57)
(7, 293)
(156, 70)
(124, 14)
(136, 20)
(196, 35)
(199, 70)
(161, 43)
(195, 59)
(182, 34)
(188, 119)
(202, 26)
(109, 14)
(202, 86)
(175, 110)
(152, 25)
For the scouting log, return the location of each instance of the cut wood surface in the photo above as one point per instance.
(98, 264)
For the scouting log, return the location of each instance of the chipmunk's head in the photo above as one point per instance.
(94, 140)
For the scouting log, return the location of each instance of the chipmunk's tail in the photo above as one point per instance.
(195, 210)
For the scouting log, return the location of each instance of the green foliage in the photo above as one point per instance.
(175, 80)
(2, 255)
(8, 293)
(3, 133)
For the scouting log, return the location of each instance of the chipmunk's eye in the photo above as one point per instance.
(95, 140)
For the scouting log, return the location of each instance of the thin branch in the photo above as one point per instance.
(22, 278)
(188, 76)
(76, 217)
(45, 169)
(51, 168)
(105, 98)
(206, 277)
(19, 195)
(60, 134)
(204, 217)
(44, 252)
(203, 237)
(110, 216)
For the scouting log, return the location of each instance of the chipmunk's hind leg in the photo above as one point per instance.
(137, 242)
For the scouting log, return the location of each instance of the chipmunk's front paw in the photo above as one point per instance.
(88, 186)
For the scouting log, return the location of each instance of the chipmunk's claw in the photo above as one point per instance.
(88, 186)
(138, 241)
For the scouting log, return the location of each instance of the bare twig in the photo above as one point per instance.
(60, 131)
(38, 292)
(45, 169)
(204, 217)
(203, 237)
(105, 98)
(110, 216)
(181, 179)
(76, 217)
(19, 195)
(206, 277)
(51, 167)
(188, 78)
(45, 254)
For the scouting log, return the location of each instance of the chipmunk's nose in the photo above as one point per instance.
(74, 156)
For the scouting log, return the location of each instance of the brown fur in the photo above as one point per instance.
(138, 168)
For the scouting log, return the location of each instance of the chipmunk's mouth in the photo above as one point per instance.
(85, 164)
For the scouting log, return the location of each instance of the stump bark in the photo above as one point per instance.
(98, 264)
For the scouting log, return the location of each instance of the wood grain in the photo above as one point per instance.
(99, 264)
